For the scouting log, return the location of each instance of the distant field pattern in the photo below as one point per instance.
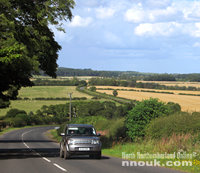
(188, 103)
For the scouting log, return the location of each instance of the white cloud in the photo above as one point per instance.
(135, 14)
(196, 44)
(138, 14)
(163, 29)
(78, 21)
(103, 13)
(190, 10)
(196, 31)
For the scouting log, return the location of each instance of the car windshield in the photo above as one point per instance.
(81, 131)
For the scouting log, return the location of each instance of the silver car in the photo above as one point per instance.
(80, 139)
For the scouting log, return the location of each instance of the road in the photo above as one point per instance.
(29, 150)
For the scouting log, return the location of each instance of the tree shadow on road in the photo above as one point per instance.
(21, 153)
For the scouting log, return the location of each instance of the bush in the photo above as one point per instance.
(179, 123)
(117, 129)
(142, 114)
(174, 107)
(115, 93)
(3, 103)
(14, 112)
(93, 88)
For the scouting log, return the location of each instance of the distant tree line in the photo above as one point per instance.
(46, 82)
(89, 72)
(193, 77)
(160, 77)
(112, 82)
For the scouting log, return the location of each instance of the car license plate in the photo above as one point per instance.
(84, 149)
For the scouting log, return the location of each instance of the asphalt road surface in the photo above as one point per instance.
(29, 151)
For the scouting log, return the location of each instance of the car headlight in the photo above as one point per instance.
(70, 142)
(95, 141)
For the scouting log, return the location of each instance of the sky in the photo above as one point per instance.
(160, 36)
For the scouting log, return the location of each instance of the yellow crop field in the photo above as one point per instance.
(174, 83)
(188, 103)
(139, 89)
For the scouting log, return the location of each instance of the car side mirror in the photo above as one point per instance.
(62, 134)
(98, 134)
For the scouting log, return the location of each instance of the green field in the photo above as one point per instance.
(44, 92)
(50, 91)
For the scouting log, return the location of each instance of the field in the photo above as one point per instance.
(188, 103)
(50, 91)
(157, 90)
(44, 92)
(174, 83)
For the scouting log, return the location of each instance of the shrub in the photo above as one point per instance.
(142, 114)
(14, 112)
(179, 123)
(115, 93)
(174, 107)
(93, 88)
(117, 129)
(3, 103)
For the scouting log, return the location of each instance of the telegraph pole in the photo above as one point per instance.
(70, 106)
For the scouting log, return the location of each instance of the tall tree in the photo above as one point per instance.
(27, 43)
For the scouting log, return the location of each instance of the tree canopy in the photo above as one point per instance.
(27, 43)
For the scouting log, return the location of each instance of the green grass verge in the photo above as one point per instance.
(53, 135)
(149, 147)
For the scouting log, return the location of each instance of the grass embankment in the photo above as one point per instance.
(134, 151)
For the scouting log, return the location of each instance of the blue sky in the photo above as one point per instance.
(161, 36)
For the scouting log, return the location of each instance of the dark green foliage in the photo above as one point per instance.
(4, 103)
(115, 93)
(93, 88)
(17, 118)
(46, 82)
(139, 117)
(160, 77)
(173, 107)
(14, 112)
(179, 123)
(193, 77)
(27, 43)
(111, 82)
(89, 72)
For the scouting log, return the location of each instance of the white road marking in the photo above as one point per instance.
(60, 167)
(46, 159)
(23, 138)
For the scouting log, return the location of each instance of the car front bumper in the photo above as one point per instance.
(84, 149)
